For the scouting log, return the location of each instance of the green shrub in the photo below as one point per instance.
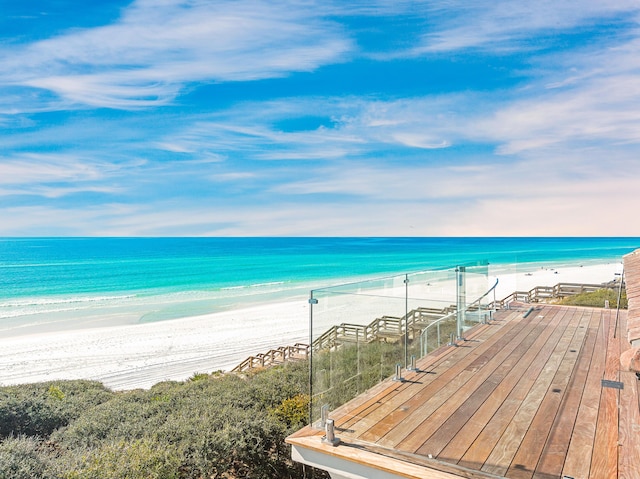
(56, 393)
(139, 459)
(39, 409)
(199, 377)
(597, 299)
(217, 426)
(24, 458)
(350, 370)
(270, 387)
(294, 412)
(130, 415)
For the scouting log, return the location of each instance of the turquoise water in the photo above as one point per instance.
(150, 279)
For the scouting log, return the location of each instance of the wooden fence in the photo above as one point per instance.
(545, 293)
(275, 356)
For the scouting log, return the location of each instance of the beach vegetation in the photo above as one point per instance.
(24, 457)
(293, 410)
(342, 373)
(598, 299)
(56, 393)
(39, 409)
(137, 459)
(198, 377)
(222, 425)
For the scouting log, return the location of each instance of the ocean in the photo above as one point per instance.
(131, 312)
(76, 280)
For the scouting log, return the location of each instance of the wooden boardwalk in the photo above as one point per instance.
(527, 396)
(392, 328)
(273, 357)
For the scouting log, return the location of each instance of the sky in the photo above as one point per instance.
(319, 118)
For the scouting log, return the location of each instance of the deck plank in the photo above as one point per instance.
(604, 461)
(362, 413)
(449, 375)
(478, 452)
(491, 392)
(555, 450)
(502, 455)
(629, 433)
(581, 445)
(429, 414)
(377, 412)
(452, 449)
(530, 451)
(486, 375)
(368, 401)
(629, 429)
(524, 400)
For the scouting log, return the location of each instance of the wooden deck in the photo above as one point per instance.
(528, 396)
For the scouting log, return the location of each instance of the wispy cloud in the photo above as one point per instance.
(596, 107)
(358, 127)
(506, 25)
(157, 48)
(38, 168)
(578, 211)
(467, 158)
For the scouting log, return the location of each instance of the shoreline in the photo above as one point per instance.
(141, 355)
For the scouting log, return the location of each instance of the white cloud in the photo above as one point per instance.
(329, 152)
(107, 90)
(158, 47)
(61, 191)
(598, 111)
(588, 214)
(39, 168)
(56, 175)
(510, 25)
(560, 147)
(358, 128)
(578, 213)
(592, 114)
(420, 140)
(234, 176)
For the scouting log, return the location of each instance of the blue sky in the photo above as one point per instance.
(307, 118)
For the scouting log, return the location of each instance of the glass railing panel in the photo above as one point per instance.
(431, 315)
(362, 332)
(476, 285)
(357, 333)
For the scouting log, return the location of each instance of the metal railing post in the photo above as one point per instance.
(406, 320)
(312, 301)
(460, 299)
(330, 434)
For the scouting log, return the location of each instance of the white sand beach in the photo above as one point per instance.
(140, 355)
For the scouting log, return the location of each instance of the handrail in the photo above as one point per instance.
(537, 293)
(379, 328)
(492, 288)
(424, 346)
(274, 356)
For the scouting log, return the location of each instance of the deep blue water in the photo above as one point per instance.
(37, 275)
